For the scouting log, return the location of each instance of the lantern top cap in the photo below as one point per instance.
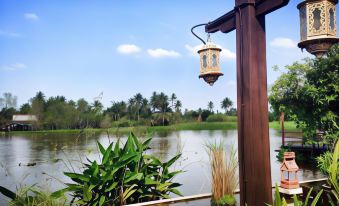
(311, 1)
(209, 45)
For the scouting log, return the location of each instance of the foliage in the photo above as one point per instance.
(226, 103)
(283, 149)
(32, 196)
(333, 172)
(224, 169)
(278, 201)
(125, 175)
(210, 106)
(8, 101)
(309, 94)
(221, 118)
(225, 200)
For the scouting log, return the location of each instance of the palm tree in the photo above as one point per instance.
(178, 106)
(154, 101)
(173, 98)
(210, 106)
(226, 103)
(138, 102)
(163, 105)
(97, 107)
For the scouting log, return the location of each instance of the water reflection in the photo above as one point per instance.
(57, 153)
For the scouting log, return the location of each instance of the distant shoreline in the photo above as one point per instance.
(289, 125)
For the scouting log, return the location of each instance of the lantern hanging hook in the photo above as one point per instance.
(197, 35)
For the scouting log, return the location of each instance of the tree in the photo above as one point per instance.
(210, 106)
(178, 106)
(226, 103)
(25, 108)
(309, 94)
(173, 98)
(38, 107)
(138, 103)
(8, 101)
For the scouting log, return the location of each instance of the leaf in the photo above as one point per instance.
(137, 176)
(149, 181)
(87, 194)
(111, 187)
(127, 193)
(171, 161)
(101, 148)
(75, 176)
(7, 193)
(59, 193)
(106, 154)
(308, 196)
(102, 200)
(146, 143)
(175, 191)
(316, 199)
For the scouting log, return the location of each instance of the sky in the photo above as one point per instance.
(80, 49)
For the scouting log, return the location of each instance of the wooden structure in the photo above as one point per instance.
(290, 168)
(248, 19)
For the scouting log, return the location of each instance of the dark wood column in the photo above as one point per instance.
(252, 104)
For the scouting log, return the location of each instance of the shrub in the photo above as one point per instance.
(221, 118)
(224, 178)
(125, 175)
(32, 196)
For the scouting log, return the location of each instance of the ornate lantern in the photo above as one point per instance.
(317, 26)
(209, 62)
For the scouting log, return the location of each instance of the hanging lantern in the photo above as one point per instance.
(317, 26)
(210, 62)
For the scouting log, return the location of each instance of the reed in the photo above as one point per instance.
(224, 178)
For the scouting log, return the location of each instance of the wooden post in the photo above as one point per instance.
(282, 121)
(248, 18)
(252, 104)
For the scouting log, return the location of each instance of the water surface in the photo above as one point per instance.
(57, 153)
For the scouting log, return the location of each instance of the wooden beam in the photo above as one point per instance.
(225, 23)
(264, 7)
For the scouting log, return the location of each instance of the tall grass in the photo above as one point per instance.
(223, 168)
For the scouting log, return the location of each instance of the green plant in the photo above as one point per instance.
(333, 172)
(32, 196)
(283, 149)
(221, 118)
(278, 201)
(324, 161)
(224, 179)
(125, 175)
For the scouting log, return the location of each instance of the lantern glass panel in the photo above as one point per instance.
(303, 24)
(204, 61)
(317, 19)
(331, 13)
(214, 60)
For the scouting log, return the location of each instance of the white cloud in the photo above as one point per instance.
(32, 16)
(158, 53)
(225, 53)
(128, 49)
(13, 67)
(285, 43)
(10, 34)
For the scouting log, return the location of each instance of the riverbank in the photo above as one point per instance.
(291, 126)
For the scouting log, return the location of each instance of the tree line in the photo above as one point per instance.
(57, 112)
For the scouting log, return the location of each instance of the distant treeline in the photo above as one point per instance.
(160, 109)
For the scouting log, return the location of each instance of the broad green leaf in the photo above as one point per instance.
(102, 200)
(111, 187)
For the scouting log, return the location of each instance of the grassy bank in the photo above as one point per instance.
(176, 127)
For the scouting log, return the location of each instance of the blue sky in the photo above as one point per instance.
(82, 48)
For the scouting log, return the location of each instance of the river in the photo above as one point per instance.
(56, 153)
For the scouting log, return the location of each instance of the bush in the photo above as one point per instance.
(125, 175)
(221, 118)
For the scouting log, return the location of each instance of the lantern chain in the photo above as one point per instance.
(196, 34)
